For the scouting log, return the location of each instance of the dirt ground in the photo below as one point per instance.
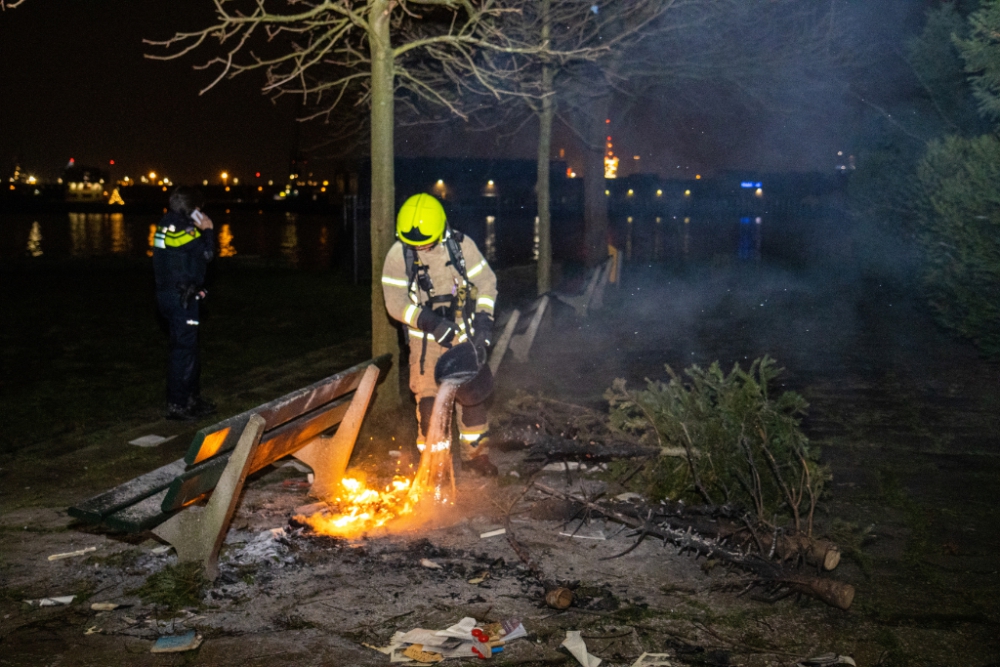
(906, 417)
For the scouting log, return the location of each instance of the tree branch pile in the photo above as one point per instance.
(773, 576)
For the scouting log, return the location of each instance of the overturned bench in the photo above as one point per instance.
(222, 455)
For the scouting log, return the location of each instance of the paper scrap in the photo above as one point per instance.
(427, 562)
(104, 606)
(92, 630)
(653, 660)
(72, 554)
(417, 652)
(578, 648)
(493, 533)
(51, 602)
(629, 496)
(151, 440)
(160, 550)
(462, 630)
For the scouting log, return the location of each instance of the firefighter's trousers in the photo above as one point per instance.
(472, 419)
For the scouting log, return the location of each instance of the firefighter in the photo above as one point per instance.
(182, 248)
(443, 291)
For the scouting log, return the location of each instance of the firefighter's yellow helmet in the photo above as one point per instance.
(421, 220)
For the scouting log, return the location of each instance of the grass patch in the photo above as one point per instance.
(175, 586)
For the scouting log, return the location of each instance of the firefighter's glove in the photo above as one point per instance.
(482, 328)
(444, 331)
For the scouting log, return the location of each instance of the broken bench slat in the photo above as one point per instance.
(141, 516)
(275, 444)
(129, 493)
(223, 436)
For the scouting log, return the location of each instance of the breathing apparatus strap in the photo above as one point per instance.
(419, 273)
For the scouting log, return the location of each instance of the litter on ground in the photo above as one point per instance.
(578, 649)
(72, 554)
(151, 440)
(177, 643)
(51, 602)
(465, 639)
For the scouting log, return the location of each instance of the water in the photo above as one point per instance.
(311, 241)
(297, 240)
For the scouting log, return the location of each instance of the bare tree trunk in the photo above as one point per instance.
(595, 202)
(544, 153)
(383, 202)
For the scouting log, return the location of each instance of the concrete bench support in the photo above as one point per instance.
(197, 533)
(521, 345)
(328, 456)
(500, 349)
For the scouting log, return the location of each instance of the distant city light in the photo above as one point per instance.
(750, 185)
(758, 192)
(607, 193)
(258, 174)
(236, 181)
(205, 182)
(152, 175)
(697, 177)
(630, 193)
(440, 182)
(687, 193)
(635, 157)
(659, 193)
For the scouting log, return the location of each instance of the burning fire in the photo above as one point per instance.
(359, 508)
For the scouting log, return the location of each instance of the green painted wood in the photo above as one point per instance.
(141, 516)
(277, 443)
(131, 492)
(286, 408)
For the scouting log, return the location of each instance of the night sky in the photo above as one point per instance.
(75, 84)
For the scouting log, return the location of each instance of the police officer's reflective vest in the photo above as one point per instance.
(168, 236)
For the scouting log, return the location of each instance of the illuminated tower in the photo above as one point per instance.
(610, 161)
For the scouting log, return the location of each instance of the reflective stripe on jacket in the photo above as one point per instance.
(404, 298)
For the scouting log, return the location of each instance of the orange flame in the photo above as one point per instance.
(359, 509)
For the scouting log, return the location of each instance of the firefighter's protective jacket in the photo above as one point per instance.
(404, 296)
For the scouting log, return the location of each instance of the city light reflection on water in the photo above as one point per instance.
(310, 241)
(35, 240)
(303, 241)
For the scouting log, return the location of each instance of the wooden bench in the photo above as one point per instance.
(222, 455)
(592, 296)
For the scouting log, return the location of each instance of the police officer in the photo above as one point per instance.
(438, 284)
(183, 245)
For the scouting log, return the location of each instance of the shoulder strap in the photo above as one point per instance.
(416, 272)
(453, 242)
